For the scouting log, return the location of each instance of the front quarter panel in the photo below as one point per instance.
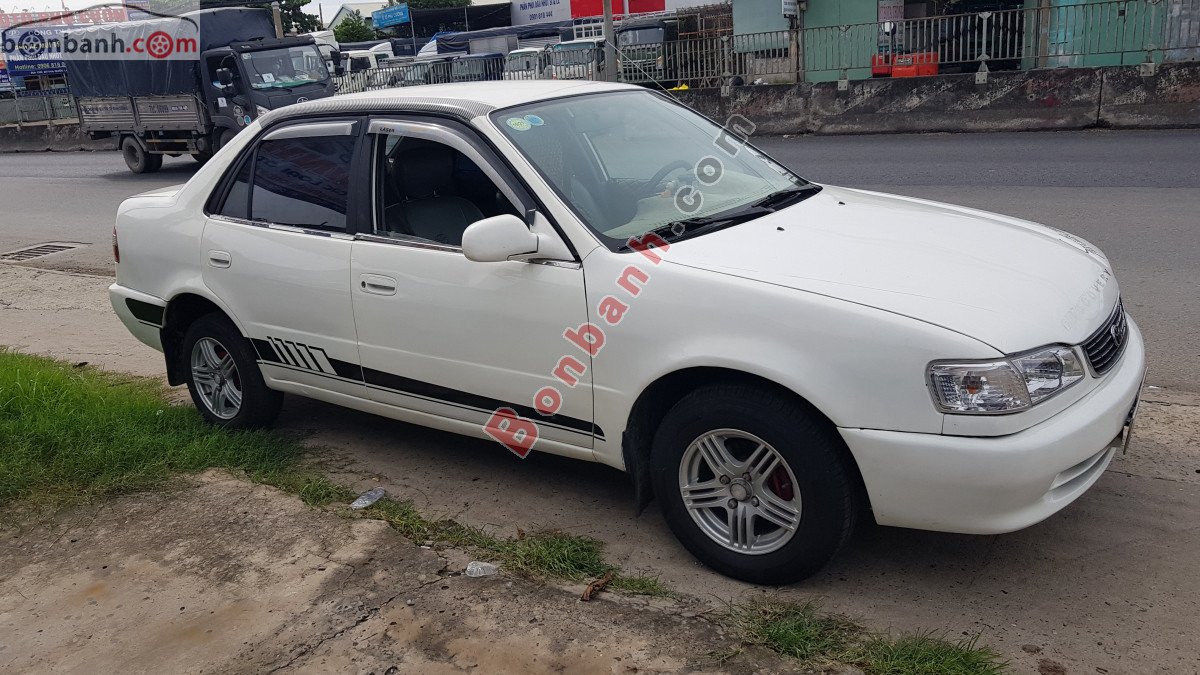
(862, 367)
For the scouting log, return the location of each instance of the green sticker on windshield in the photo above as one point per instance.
(518, 124)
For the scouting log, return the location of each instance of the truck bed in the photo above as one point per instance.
(180, 112)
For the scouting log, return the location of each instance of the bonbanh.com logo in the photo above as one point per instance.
(35, 43)
(164, 36)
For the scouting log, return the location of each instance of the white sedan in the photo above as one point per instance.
(593, 270)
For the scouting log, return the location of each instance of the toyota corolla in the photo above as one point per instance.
(596, 271)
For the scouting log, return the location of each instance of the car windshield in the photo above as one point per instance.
(634, 162)
(285, 68)
(574, 54)
(526, 61)
(640, 36)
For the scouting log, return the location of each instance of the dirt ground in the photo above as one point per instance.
(1107, 586)
(221, 575)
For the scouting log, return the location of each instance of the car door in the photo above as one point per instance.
(277, 252)
(454, 339)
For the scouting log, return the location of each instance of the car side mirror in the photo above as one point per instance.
(498, 238)
(224, 76)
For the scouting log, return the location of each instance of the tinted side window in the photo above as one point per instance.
(237, 200)
(303, 181)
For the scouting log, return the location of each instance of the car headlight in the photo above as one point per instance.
(1004, 385)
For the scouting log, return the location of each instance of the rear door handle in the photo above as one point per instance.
(377, 284)
(219, 259)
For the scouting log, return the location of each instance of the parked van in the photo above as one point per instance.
(477, 67)
(577, 60)
(527, 63)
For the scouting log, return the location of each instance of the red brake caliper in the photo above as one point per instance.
(237, 377)
(781, 484)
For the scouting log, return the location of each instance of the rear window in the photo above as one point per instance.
(303, 182)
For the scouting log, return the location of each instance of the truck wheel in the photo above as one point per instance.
(223, 376)
(224, 136)
(753, 483)
(136, 157)
(202, 157)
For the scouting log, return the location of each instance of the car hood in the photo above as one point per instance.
(1009, 283)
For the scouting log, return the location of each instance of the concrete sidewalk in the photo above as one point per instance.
(1106, 586)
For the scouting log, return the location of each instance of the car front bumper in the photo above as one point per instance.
(976, 485)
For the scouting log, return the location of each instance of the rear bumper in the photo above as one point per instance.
(999, 484)
(141, 313)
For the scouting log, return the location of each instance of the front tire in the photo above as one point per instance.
(223, 136)
(753, 483)
(223, 376)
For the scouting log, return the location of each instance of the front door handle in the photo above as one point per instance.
(219, 259)
(377, 284)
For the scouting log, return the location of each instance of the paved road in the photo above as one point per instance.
(1134, 194)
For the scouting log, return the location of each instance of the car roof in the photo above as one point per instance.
(465, 100)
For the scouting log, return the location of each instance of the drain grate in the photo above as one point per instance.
(40, 250)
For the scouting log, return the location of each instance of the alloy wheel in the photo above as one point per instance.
(216, 378)
(740, 491)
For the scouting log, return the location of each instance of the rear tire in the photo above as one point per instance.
(769, 483)
(137, 158)
(223, 377)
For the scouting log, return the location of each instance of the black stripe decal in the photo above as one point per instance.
(146, 312)
(300, 352)
(405, 385)
(280, 354)
(316, 362)
(283, 351)
(350, 371)
(265, 350)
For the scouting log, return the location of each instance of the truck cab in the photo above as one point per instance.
(641, 50)
(246, 79)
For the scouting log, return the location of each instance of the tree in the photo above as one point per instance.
(353, 28)
(295, 19)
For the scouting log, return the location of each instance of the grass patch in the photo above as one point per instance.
(313, 489)
(925, 653)
(72, 434)
(803, 632)
(799, 631)
(642, 585)
(551, 554)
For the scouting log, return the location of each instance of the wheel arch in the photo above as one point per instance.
(182, 311)
(657, 398)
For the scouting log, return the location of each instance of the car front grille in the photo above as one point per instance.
(1105, 346)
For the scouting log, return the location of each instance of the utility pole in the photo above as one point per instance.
(278, 19)
(610, 42)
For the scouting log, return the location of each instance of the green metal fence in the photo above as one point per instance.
(1111, 32)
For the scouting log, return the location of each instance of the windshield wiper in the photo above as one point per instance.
(788, 196)
(690, 227)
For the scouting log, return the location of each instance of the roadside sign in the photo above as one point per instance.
(390, 16)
